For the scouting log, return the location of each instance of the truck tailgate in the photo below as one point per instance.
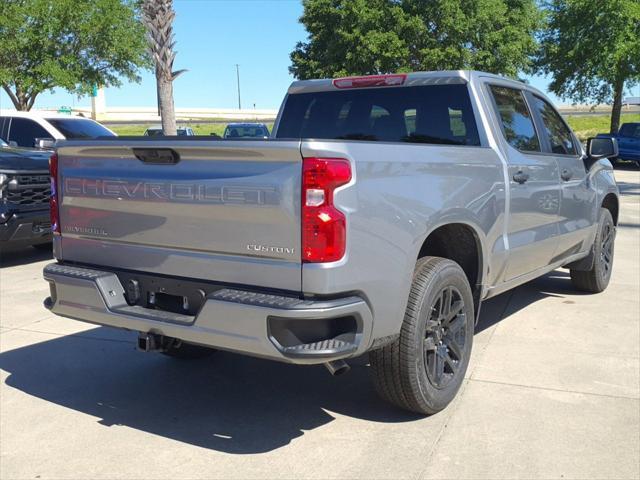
(213, 210)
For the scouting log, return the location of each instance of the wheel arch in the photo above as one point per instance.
(611, 203)
(462, 243)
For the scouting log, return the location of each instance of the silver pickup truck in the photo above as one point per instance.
(378, 217)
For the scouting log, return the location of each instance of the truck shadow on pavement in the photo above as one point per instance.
(227, 402)
(555, 284)
(11, 257)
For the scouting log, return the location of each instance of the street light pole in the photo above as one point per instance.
(238, 79)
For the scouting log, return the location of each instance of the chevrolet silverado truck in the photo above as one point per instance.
(24, 198)
(379, 215)
(628, 138)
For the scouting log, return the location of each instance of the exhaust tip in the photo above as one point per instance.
(337, 367)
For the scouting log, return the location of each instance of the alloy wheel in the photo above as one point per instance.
(606, 250)
(445, 337)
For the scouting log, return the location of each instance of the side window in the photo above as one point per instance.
(559, 134)
(630, 130)
(24, 132)
(516, 119)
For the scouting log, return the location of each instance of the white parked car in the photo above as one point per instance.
(43, 129)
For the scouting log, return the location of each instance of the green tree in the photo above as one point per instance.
(69, 44)
(359, 37)
(591, 48)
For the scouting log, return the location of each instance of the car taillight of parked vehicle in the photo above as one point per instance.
(53, 200)
(324, 227)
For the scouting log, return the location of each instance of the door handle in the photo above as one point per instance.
(566, 175)
(520, 177)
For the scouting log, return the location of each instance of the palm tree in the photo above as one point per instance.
(158, 16)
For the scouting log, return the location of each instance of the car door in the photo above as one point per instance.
(577, 215)
(24, 132)
(629, 141)
(534, 188)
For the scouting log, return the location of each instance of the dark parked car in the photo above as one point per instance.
(25, 189)
(628, 138)
(246, 130)
(156, 131)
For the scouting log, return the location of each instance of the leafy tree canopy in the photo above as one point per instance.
(71, 44)
(360, 37)
(591, 48)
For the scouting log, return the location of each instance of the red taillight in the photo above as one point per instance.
(53, 200)
(371, 81)
(324, 227)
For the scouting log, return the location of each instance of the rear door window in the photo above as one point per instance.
(515, 117)
(24, 132)
(558, 133)
(436, 114)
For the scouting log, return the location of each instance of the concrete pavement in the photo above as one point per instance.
(553, 391)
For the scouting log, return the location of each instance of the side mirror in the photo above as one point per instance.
(601, 147)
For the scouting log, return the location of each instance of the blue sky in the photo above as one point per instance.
(212, 36)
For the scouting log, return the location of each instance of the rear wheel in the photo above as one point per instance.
(597, 279)
(423, 369)
(184, 350)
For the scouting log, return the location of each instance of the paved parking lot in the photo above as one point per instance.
(553, 391)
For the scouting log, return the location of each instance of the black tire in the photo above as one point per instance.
(597, 279)
(187, 351)
(428, 341)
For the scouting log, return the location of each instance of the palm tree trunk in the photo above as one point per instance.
(158, 17)
(167, 110)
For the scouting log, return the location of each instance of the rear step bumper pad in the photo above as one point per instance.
(230, 319)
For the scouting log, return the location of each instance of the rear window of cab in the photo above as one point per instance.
(433, 114)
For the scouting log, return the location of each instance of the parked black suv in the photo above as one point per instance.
(24, 197)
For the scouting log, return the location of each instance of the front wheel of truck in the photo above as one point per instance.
(422, 370)
(597, 278)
